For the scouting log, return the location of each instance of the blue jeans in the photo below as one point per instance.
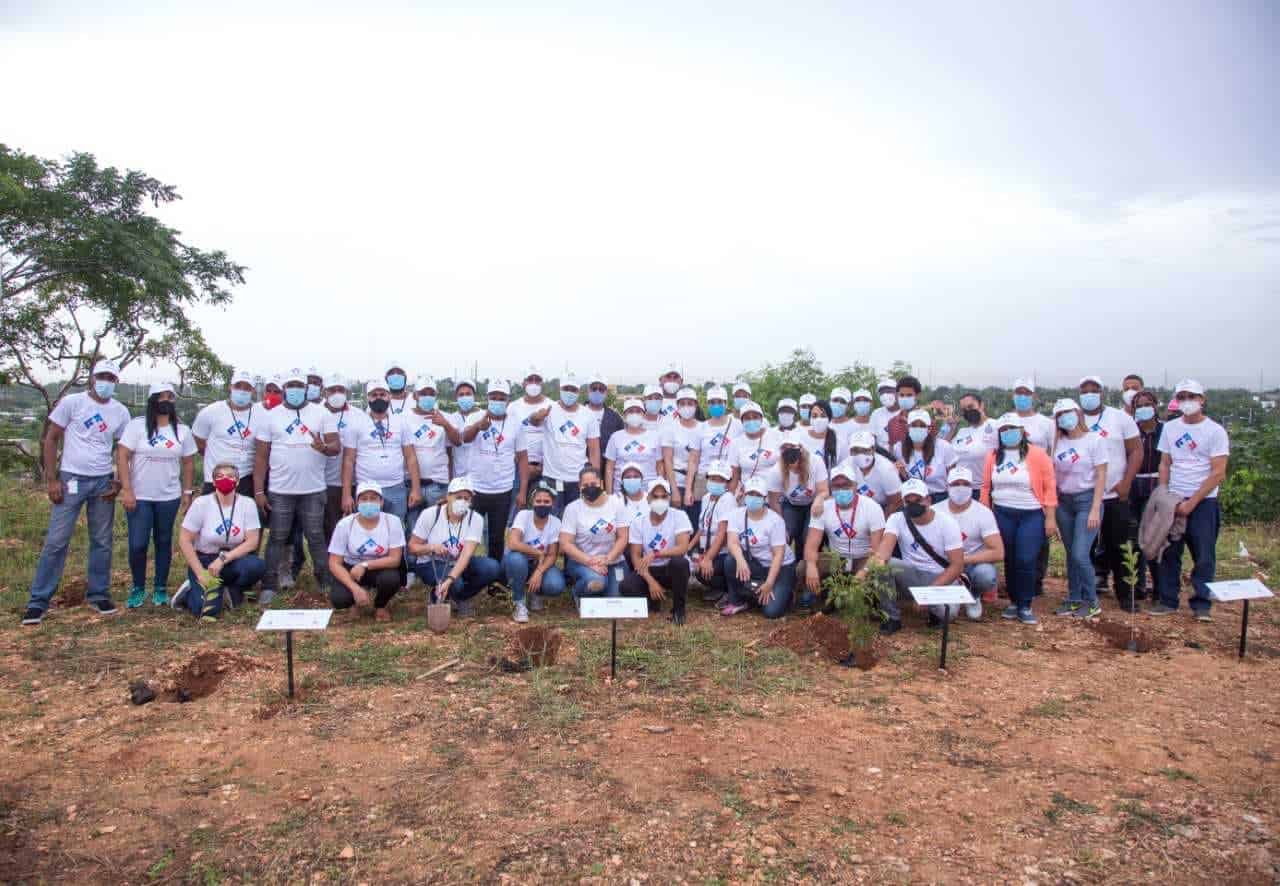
(305, 511)
(151, 519)
(237, 577)
(395, 501)
(582, 575)
(1077, 538)
(57, 539)
(982, 577)
(783, 587)
(517, 568)
(1202, 538)
(1023, 534)
(432, 493)
(479, 574)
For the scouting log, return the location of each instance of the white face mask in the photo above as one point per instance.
(670, 388)
(786, 419)
(687, 412)
(887, 400)
(864, 459)
(820, 424)
(960, 495)
(1190, 407)
(337, 401)
(659, 506)
(1127, 396)
(634, 419)
(533, 390)
(459, 507)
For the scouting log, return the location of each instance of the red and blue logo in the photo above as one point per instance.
(96, 422)
(569, 429)
(1188, 442)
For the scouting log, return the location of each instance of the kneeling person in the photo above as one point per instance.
(764, 564)
(444, 541)
(983, 547)
(932, 550)
(659, 541)
(219, 540)
(367, 551)
(852, 525)
(533, 544)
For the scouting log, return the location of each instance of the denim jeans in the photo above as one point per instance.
(237, 577)
(783, 587)
(57, 539)
(395, 501)
(582, 576)
(479, 574)
(1201, 538)
(287, 511)
(982, 577)
(518, 567)
(1022, 531)
(151, 519)
(1077, 538)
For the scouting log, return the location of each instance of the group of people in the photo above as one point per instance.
(759, 506)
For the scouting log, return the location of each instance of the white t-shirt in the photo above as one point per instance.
(220, 530)
(681, 440)
(1191, 447)
(880, 418)
(787, 483)
(333, 463)
(518, 412)
(436, 526)
(644, 449)
(1040, 430)
(1074, 462)
(880, 482)
(1112, 427)
(755, 457)
(933, 472)
(296, 468)
(762, 536)
(430, 444)
(564, 437)
(156, 469)
(594, 529)
(461, 452)
(942, 533)
(817, 446)
(356, 544)
(971, 446)
(379, 447)
(228, 436)
(712, 515)
(90, 429)
(631, 508)
(976, 522)
(715, 441)
(850, 538)
(400, 404)
(843, 431)
(533, 536)
(492, 463)
(1011, 484)
(661, 537)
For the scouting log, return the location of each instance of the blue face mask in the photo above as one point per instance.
(908, 402)
(295, 397)
(651, 407)
(369, 509)
(862, 407)
(497, 408)
(466, 403)
(569, 398)
(631, 485)
(843, 497)
(426, 403)
(752, 425)
(838, 409)
(804, 413)
(396, 381)
(715, 410)
(1090, 402)
(918, 435)
(716, 488)
(739, 402)
(313, 392)
(241, 398)
(1010, 437)
(1068, 421)
(755, 504)
(104, 389)
(1022, 402)
(596, 398)
(1144, 413)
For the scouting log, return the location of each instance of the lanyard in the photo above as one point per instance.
(706, 523)
(227, 524)
(497, 441)
(756, 461)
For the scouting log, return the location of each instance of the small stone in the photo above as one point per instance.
(632, 684)
(768, 852)
(347, 853)
(873, 770)
(793, 798)
(107, 829)
(839, 790)
(659, 730)
(451, 678)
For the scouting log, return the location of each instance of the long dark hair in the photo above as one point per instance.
(909, 445)
(1023, 448)
(829, 453)
(153, 410)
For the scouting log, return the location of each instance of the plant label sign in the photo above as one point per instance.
(295, 620)
(613, 607)
(941, 596)
(1241, 589)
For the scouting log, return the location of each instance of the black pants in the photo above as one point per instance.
(565, 497)
(332, 509)
(386, 582)
(494, 507)
(672, 575)
(1111, 541)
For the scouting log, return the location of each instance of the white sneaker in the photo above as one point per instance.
(536, 603)
(178, 600)
(974, 610)
(522, 613)
(411, 580)
(286, 581)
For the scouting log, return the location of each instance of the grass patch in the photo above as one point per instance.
(553, 708)
(1137, 816)
(1050, 708)
(896, 818)
(1173, 773)
(367, 664)
(1061, 804)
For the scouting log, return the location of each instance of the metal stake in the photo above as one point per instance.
(946, 623)
(613, 651)
(288, 651)
(1244, 627)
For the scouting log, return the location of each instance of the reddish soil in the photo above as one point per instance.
(818, 634)
(71, 591)
(532, 646)
(203, 674)
(1119, 635)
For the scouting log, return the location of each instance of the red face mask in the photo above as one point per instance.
(225, 485)
(271, 401)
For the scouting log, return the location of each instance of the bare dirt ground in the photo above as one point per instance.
(1043, 755)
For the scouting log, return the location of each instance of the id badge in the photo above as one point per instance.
(73, 487)
(559, 485)
(617, 573)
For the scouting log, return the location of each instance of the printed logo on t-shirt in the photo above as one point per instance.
(845, 530)
(370, 548)
(1187, 441)
(1007, 468)
(227, 528)
(536, 542)
(658, 543)
(453, 544)
(667, 410)
(919, 469)
(866, 490)
(635, 447)
(96, 422)
(766, 454)
(297, 425)
(160, 440)
(800, 491)
(601, 527)
(915, 545)
(428, 430)
(378, 432)
(1069, 456)
(569, 429)
(748, 537)
(493, 434)
(964, 536)
(240, 429)
(718, 439)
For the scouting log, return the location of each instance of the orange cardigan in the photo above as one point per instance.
(1043, 484)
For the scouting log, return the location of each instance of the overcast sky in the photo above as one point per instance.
(985, 190)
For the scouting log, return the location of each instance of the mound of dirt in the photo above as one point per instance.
(71, 593)
(204, 673)
(309, 694)
(823, 635)
(532, 646)
(1118, 635)
(310, 599)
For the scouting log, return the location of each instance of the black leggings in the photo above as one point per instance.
(494, 507)
(387, 583)
(672, 575)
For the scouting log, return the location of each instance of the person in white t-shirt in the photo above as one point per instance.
(376, 448)
(87, 425)
(711, 552)
(1080, 471)
(528, 415)
(570, 440)
(1193, 463)
(671, 383)
(973, 435)
(715, 438)
(430, 433)
(859, 418)
(922, 455)
(850, 523)
(805, 407)
(631, 496)
(219, 540)
(659, 541)
(764, 565)
(741, 391)
(842, 423)
(593, 537)
(533, 544)
(877, 477)
(493, 436)
(335, 403)
(464, 395)
(1040, 429)
(223, 432)
(756, 450)
(366, 553)
(272, 393)
(935, 559)
(887, 411)
(156, 467)
(681, 446)
(444, 541)
(397, 379)
(794, 482)
(315, 385)
(1121, 442)
(979, 534)
(633, 444)
(818, 437)
(654, 419)
(788, 413)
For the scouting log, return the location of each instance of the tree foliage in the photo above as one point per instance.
(803, 373)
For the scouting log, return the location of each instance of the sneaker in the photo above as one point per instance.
(1204, 616)
(1161, 609)
(1027, 617)
(1093, 610)
(32, 617)
(677, 618)
(209, 619)
(890, 627)
(1068, 609)
(265, 598)
(536, 603)
(973, 611)
(733, 609)
(177, 601)
(104, 606)
(464, 609)
(286, 581)
(159, 597)
(137, 596)
(1010, 612)
(521, 613)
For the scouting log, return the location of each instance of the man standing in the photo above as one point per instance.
(87, 424)
(527, 415)
(397, 378)
(1118, 435)
(1039, 428)
(670, 381)
(884, 413)
(223, 431)
(493, 435)
(606, 416)
(570, 439)
(335, 402)
(315, 386)
(375, 450)
(1129, 389)
(464, 394)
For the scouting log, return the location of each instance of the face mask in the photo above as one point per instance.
(887, 400)
(225, 485)
(241, 399)
(960, 495)
(786, 419)
(739, 402)
(634, 419)
(591, 493)
(380, 404)
(972, 416)
(542, 511)
(687, 412)
(752, 425)
(755, 504)
(864, 460)
(166, 408)
(915, 509)
(838, 409)
(862, 407)
(821, 423)
(1127, 396)
(313, 392)
(104, 389)
(369, 509)
(569, 398)
(1190, 407)
(396, 381)
(498, 408)
(715, 410)
(596, 398)
(630, 485)
(918, 435)
(790, 455)
(533, 390)
(804, 413)
(1090, 402)
(1010, 437)
(459, 507)
(671, 388)
(843, 497)
(907, 402)
(426, 403)
(295, 397)
(715, 488)
(1022, 402)
(651, 407)
(466, 403)
(1068, 421)
(1144, 413)
(659, 505)
(271, 401)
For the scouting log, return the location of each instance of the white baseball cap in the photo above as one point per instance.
(632, 403)
(1010, 420)
(686, 394)
(757, 485)
(915, 486)
(751, 406)
(368, 486)
(719, 468)
(161, 387)
(652, 391)
(807, 399)
(460, 484)
(717, 392)
(570, 381)
(533, 372)
(376, 384)
(862, 394)
(240, 376)
(632, 466)
(464, 381)
(862, 440)
(916, 415)
(1189, 386)
(106, 365)
(277, 379)
(1066, 404)
(597, 378)
(312, 370)
(1096, 379)
(395, 364)
(658, 483)
(844, 470)
(1024, 383)
(841, 393)
(295, 374)
(422, 382)
(498, 386)
(886, 383)
(335, 381)
(741, 386)
(787, 403)
(960, 474)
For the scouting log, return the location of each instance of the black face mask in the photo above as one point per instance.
(542, 511)
(790, 456)
(972, 416)
(380, 404)
(916, 509)
(591, 493)
(166, 408)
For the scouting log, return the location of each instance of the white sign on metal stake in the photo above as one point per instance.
(939, 596)
(295, 620)
(1241, 589)
(613, 607)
